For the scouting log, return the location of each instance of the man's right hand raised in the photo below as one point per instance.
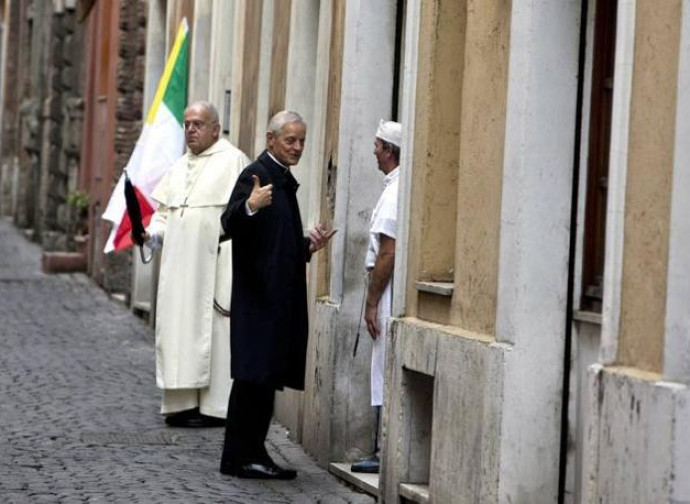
(261, 196)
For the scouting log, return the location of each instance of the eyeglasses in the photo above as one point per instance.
(195, 125)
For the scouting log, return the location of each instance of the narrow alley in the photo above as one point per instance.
(79, 415)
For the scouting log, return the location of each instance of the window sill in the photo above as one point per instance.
(587, 316)
(438, 288)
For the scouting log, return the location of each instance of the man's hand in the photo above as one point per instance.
(144, 236)
(261, 196)
(319, 237)
(371, 318)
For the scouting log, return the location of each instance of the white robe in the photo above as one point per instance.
(384, 220)
(194, 268)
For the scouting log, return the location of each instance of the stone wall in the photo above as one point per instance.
(42, 114)
(128, 119)
(10, 106)
(62, 127)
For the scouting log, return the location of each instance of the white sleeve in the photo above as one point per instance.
(249, 210)
(156, 228)
(386, 218)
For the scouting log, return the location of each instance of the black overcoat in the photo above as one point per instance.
(268, 319)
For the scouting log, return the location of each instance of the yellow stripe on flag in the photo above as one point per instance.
(169, 65)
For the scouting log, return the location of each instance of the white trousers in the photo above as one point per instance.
(378, 354)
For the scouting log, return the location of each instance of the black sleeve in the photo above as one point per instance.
(307, 252)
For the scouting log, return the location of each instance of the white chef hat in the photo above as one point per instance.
(390, 132)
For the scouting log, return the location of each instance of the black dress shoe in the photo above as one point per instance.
(258, 470)
(193, 419)
(366, 465)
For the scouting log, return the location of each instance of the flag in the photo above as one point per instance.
(160, 144)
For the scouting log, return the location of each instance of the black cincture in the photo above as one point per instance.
(222, 311)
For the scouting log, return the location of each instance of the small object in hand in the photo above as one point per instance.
(134, 212)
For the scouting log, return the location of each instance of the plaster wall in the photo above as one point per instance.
(299, 96)
(635, 438)
(366, 97)
(534, 243)
(677, 325)
(315, 427)
(299, 92)
(649, 180)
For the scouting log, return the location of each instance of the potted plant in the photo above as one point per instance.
(78, 202)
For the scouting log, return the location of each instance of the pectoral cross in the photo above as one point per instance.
(183, 206)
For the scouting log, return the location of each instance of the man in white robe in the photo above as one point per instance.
(379, 262)
(192, 328)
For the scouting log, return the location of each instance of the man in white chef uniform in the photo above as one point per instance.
(379, 262)
(192, 328)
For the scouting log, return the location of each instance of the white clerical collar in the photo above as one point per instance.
(274, 159)
(391, 176)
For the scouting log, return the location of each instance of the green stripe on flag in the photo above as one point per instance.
(175, 97)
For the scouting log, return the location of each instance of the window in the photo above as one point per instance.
(598, 158)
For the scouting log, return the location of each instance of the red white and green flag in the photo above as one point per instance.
(161, 143)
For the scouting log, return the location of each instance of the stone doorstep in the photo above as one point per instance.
(414, 492)
(367, 483)
(63, 262)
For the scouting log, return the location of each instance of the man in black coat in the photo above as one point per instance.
(268, 321)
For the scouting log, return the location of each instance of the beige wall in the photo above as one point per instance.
(437, 140)
(482, 136)
(441, 49)
(250, 17)
(459, 137)
(330, 161)
(650, 167)
(279, 59)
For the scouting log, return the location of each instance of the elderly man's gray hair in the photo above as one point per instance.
(282, 118)
(209, 107)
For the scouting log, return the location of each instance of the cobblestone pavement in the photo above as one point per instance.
(79, 408)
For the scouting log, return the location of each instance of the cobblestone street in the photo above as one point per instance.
(79, 415)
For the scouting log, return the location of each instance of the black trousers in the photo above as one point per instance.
(249, 416)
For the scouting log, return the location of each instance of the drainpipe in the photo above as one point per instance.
(563, 462)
